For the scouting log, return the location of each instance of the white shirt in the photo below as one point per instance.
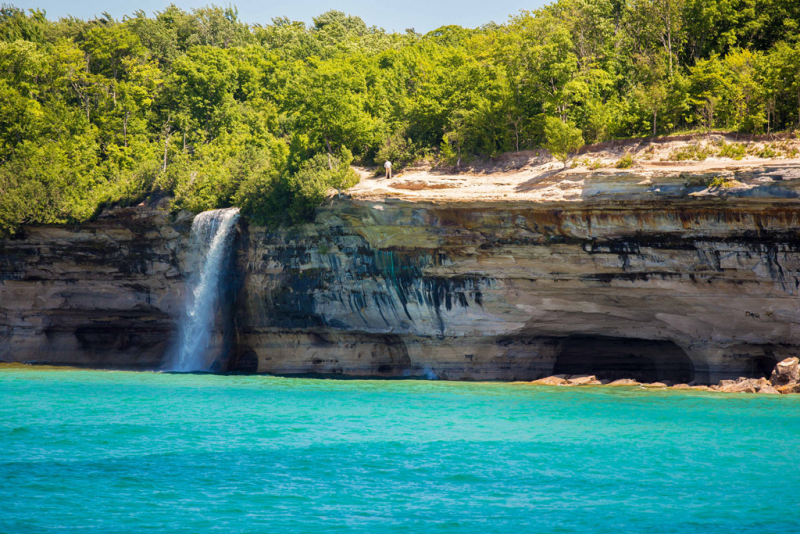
(388, 165)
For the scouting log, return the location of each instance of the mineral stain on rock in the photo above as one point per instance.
(649, 282)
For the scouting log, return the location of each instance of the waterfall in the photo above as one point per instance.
(211, 238)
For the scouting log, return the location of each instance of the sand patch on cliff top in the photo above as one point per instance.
(534, 176)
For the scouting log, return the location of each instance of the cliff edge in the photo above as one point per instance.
(663, 271)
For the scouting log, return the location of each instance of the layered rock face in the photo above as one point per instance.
(651, 276)
(105, 294)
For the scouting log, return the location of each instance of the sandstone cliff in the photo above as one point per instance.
(651, 273)
(104, 294)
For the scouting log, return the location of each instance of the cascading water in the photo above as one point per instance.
(211, 238)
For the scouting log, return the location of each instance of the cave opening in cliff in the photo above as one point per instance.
(612, 358)
(761, 366)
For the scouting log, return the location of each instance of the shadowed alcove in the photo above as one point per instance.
(761, 366)
(612, 358)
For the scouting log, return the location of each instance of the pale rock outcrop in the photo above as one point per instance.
(786, 376)
(550, 381)
(586, 380)
(789, 388)
(742, 386)
(745, 385)
(786, 372)
(624, 382)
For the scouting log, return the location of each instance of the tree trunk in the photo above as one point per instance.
(166, 143)
(655, 114)
(328, 146)
(669, 48)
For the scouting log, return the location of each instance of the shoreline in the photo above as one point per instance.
(743, 385)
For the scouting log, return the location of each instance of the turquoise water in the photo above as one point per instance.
(99, 452)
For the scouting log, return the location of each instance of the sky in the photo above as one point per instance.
(392, 15)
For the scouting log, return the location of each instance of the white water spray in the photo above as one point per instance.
(212, 234)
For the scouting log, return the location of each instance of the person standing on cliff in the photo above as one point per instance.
(388, 167)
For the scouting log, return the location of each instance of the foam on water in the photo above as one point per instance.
(212, 235)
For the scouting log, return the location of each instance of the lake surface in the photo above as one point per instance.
(100, 452)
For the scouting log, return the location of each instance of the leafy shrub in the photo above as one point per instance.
(309, 186)
(451, 150)
(596, 164)
(625, 162)
(723, 182)
(562, 139)
(733, 150)
(694, 152)
(398, 149)
(767, 152)
(592, 164)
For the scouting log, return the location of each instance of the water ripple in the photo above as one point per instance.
(100, 452)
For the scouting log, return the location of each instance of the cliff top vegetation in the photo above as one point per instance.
(215, 112)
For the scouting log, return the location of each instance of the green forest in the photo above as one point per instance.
(213, 112)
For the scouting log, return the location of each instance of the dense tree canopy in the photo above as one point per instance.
(215, 112)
